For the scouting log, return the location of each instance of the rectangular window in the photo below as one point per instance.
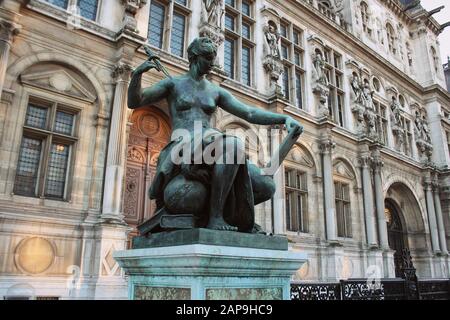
(246, 8)
(246, 61)
(296, 201)
(299, 90)
(178, 34)
(64, 122)
(284, 52)
(28, 167)
(297, 59)
(36, 116)
(246, 31)
(45, 151)
(297, 37)
(182, 2)
(57, 171)
(156, 25)
(231, 3)
(286, 83)
(239, 44)
(340, 109)
(88, 9)
(59, 3)
(342, 196)
(229, 57)
(283, 30)
(229, 22)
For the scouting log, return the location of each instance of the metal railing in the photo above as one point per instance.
(361, 289)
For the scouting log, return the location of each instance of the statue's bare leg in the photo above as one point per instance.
(222, 180)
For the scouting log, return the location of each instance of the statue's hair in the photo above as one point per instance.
(200, 47)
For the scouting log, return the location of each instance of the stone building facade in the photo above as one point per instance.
(368, 178)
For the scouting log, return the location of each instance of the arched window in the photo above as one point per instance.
(365, 16)
(391, 38)
(326, 8)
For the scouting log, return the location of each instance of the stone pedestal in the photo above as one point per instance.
(201, 264)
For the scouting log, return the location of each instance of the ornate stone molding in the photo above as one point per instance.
(129, 20)
(211, 25)
(8, 30)
(365, 161)
(326, 145)
(122, 72)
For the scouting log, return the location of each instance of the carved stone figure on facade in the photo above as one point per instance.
(396, 113)
(211, 21)
(213, 12)
(357, 90)
(367, 95)
(272, 60)
(273, 39)
(320, 69)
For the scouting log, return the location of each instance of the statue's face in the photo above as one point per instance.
(206, 60)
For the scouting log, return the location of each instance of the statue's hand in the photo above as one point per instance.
(293, 126)
(146, 66)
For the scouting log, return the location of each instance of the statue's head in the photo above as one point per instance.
(202, 53)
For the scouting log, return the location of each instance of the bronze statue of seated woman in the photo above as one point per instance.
(218, 195)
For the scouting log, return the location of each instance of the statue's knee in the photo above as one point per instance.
(270, 187)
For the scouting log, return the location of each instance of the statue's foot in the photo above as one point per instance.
(220, 224)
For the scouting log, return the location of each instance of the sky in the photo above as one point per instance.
(441, 17)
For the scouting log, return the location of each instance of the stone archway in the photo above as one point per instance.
(406, 226)
(149, 133)
(397, 235)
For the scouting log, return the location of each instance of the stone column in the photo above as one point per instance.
(326, 147)
(8, 30)
(431, 216)
(440, 219)
(115, 164)
(368, 201)
(379, 201)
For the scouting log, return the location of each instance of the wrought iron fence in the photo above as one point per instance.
(361, 289)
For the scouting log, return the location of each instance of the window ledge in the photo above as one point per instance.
(64, 16)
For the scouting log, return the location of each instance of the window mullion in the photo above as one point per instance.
(44, 167)
(168, 27)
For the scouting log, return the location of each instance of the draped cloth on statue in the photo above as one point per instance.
(239, 205)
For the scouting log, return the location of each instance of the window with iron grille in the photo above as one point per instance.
(342, 201)
(49, 135)
(239, 42)
(292, 53)
(168, 24)
(88, 9)
(296, 198)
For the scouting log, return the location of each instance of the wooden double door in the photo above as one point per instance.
(149, 133)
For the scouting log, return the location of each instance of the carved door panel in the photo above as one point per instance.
(149, 133)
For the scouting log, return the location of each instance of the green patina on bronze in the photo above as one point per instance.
(217, 196)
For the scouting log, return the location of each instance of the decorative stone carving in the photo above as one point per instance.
(396, 119)
(423, 135)
(8, 30)
(211, 21)
(212, 12)
(320, 88)
(272, 60)
(129, 20)
(122, 72)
